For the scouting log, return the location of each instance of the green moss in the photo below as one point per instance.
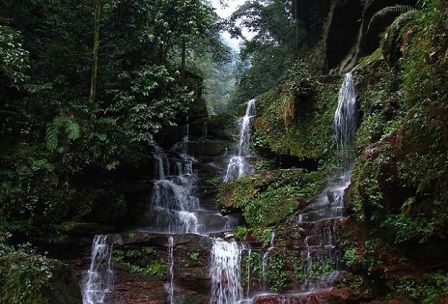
(296, 119)
(270, 197)
(403, 133)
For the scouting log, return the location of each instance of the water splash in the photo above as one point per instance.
(238, 165)
(97, 282)
(225, 272)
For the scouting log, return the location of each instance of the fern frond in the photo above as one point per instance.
(71, 129)
(51, 136)
(389, 11)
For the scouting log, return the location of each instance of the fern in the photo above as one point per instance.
(71, 128)
(388, 11)
(51, 136)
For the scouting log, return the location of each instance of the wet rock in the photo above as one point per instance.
(311, 298)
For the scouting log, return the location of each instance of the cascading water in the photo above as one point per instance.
(225, 272)
(319, 256)
(97, 282)
(344, 122)
(172, 205)
(238, 165)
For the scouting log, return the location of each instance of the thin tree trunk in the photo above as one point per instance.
(96, 43)
(182, 68)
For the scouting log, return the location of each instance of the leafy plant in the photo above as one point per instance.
(194, 256)
(266, 237)
(350, 257)
(240, 232)
(276, 272)
(71, 128)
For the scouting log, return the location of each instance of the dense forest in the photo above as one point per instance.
(88, 87)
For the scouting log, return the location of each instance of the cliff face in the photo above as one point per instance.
(339, 32)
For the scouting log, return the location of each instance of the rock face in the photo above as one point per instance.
(339, 29)
(141, 264)
(314, 298)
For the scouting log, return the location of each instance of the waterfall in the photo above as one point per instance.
(172, 204)
(344, 122)
(319, 255)
(264, 263)
(248, 273)
(225, 272)
(320, 258)
(98, 280)
(170, 285)
(238, 165)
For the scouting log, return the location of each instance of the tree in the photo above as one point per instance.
(272, 49)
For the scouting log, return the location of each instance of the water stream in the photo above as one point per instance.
(173, 206)
(225, 272)
(320, 257)
(264, 262)
(98, 281)
(170, 285)
(238, 165)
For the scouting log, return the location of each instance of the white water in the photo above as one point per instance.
(173, 206)
(170, 285)
(344, 122)
(238, 165)
(98, 280)
(320, 258)
(225, 272)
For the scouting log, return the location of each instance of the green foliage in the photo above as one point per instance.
(142, 260)
(276, 272)
(290, 119)
(388, 11)
(349, 257)
(266, 237)
(270, 197)
(400, 179)
(240, 233)
(57, 148)
(14, 59)
(251, 267)
(427, 289)
(70, 126)
(268, 55)
(28, 277)
(194, 256)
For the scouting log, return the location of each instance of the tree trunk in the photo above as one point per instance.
(182, 68)
(96, 43)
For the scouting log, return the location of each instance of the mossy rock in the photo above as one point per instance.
(270, 197)
(287, 124)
